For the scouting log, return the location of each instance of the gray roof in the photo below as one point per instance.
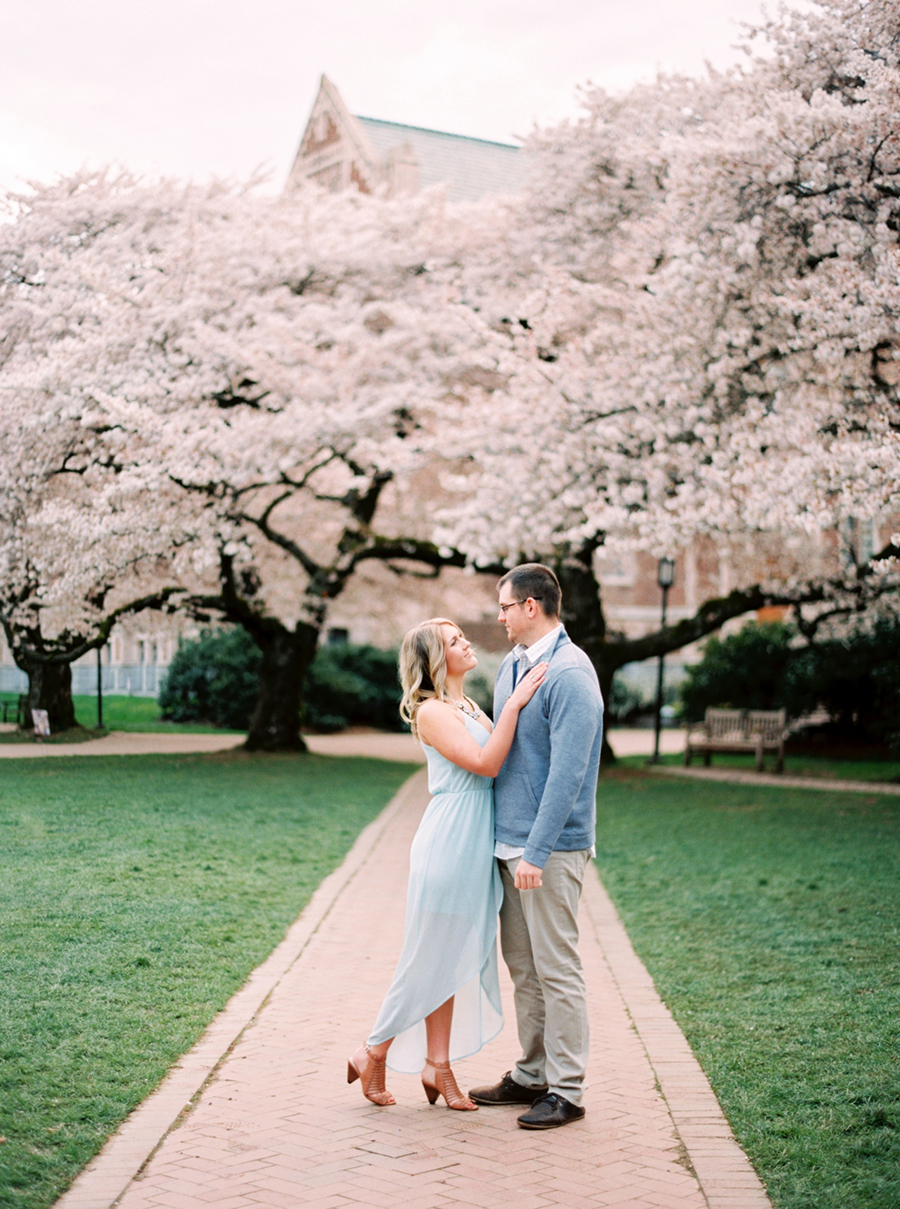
(472, 167)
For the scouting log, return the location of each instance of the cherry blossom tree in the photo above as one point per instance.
(81, 546)
(76, 557)
(707, 278)
(250, 375)
(686, 330)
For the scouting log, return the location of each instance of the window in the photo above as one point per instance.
(617, 569)
(858, 538)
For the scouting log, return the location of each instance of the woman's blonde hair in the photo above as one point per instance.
(423, 667)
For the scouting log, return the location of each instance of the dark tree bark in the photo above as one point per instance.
(48, 670)
(832, 598)
(286, 659)
(287, 654)
(582, 615)
(48, 661)
(50, 689)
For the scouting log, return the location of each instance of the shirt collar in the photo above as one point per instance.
(531, 654)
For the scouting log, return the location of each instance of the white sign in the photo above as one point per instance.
(41, 720)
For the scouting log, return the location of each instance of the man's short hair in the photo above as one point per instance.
(537, 581)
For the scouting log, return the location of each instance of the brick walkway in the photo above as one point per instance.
(259, 1113)
(775, 780)
(358, 741)
(124, 743)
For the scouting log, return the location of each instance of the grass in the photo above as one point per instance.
(770, 920)
(136, 714)
(136, 895)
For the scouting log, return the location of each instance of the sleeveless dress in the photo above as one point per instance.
(450, 941)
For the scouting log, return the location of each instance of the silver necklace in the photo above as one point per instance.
(472, 710)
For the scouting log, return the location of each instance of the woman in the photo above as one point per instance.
(444, 1001)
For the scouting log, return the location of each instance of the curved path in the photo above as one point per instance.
(385, 746)
(124, 743)
(259, 1115)
(354, 742)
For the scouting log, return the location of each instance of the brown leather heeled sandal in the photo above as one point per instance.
(444, 1084)
(369, 1069)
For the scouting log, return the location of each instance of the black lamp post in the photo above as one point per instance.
(665, 577)
(99, 688)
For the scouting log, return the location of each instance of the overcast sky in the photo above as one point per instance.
(199, 87)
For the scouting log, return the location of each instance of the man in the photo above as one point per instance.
(545, 801)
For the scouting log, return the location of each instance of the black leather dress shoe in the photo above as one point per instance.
(550, 1111)
(507, 1091)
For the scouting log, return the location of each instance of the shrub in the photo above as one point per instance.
(214, 678)
(855, 679)
(625, 702)
(747, 670)
(480, 687)
(349, 685)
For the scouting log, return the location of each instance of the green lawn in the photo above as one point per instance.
(136, 895)
(139, 714)
(134, 714)
(770, 921)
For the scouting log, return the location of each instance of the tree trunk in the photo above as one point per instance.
(50, 688)
(582, 615)
(286, 657)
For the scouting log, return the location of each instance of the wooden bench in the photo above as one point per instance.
(18, 706)
(738, 730)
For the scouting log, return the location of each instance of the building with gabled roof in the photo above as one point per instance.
(341, 150)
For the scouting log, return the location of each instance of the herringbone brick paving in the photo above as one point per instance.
(260, 1114)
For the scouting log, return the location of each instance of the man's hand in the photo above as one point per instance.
(528, 877)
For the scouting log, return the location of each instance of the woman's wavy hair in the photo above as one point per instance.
(423, 667)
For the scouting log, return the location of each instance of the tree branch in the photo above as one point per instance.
(30, 646)
(287, 544)
(388, 549)
(713, 614)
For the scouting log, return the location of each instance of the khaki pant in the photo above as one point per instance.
(539, 940)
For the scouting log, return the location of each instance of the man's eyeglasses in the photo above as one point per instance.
(503, 608)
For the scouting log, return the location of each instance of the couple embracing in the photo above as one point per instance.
(510, 828)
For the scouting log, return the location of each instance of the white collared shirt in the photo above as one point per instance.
(534, 653)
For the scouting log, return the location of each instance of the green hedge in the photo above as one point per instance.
(215, 679)
(855, 679)
(748, 670)
(350, 685)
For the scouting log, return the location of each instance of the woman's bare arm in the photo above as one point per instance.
(441, 727)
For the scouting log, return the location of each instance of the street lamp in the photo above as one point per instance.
(665, 577)
(99, 688)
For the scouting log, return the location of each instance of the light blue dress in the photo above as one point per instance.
(450, 943)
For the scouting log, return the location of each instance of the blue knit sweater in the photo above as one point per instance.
(545, 795)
